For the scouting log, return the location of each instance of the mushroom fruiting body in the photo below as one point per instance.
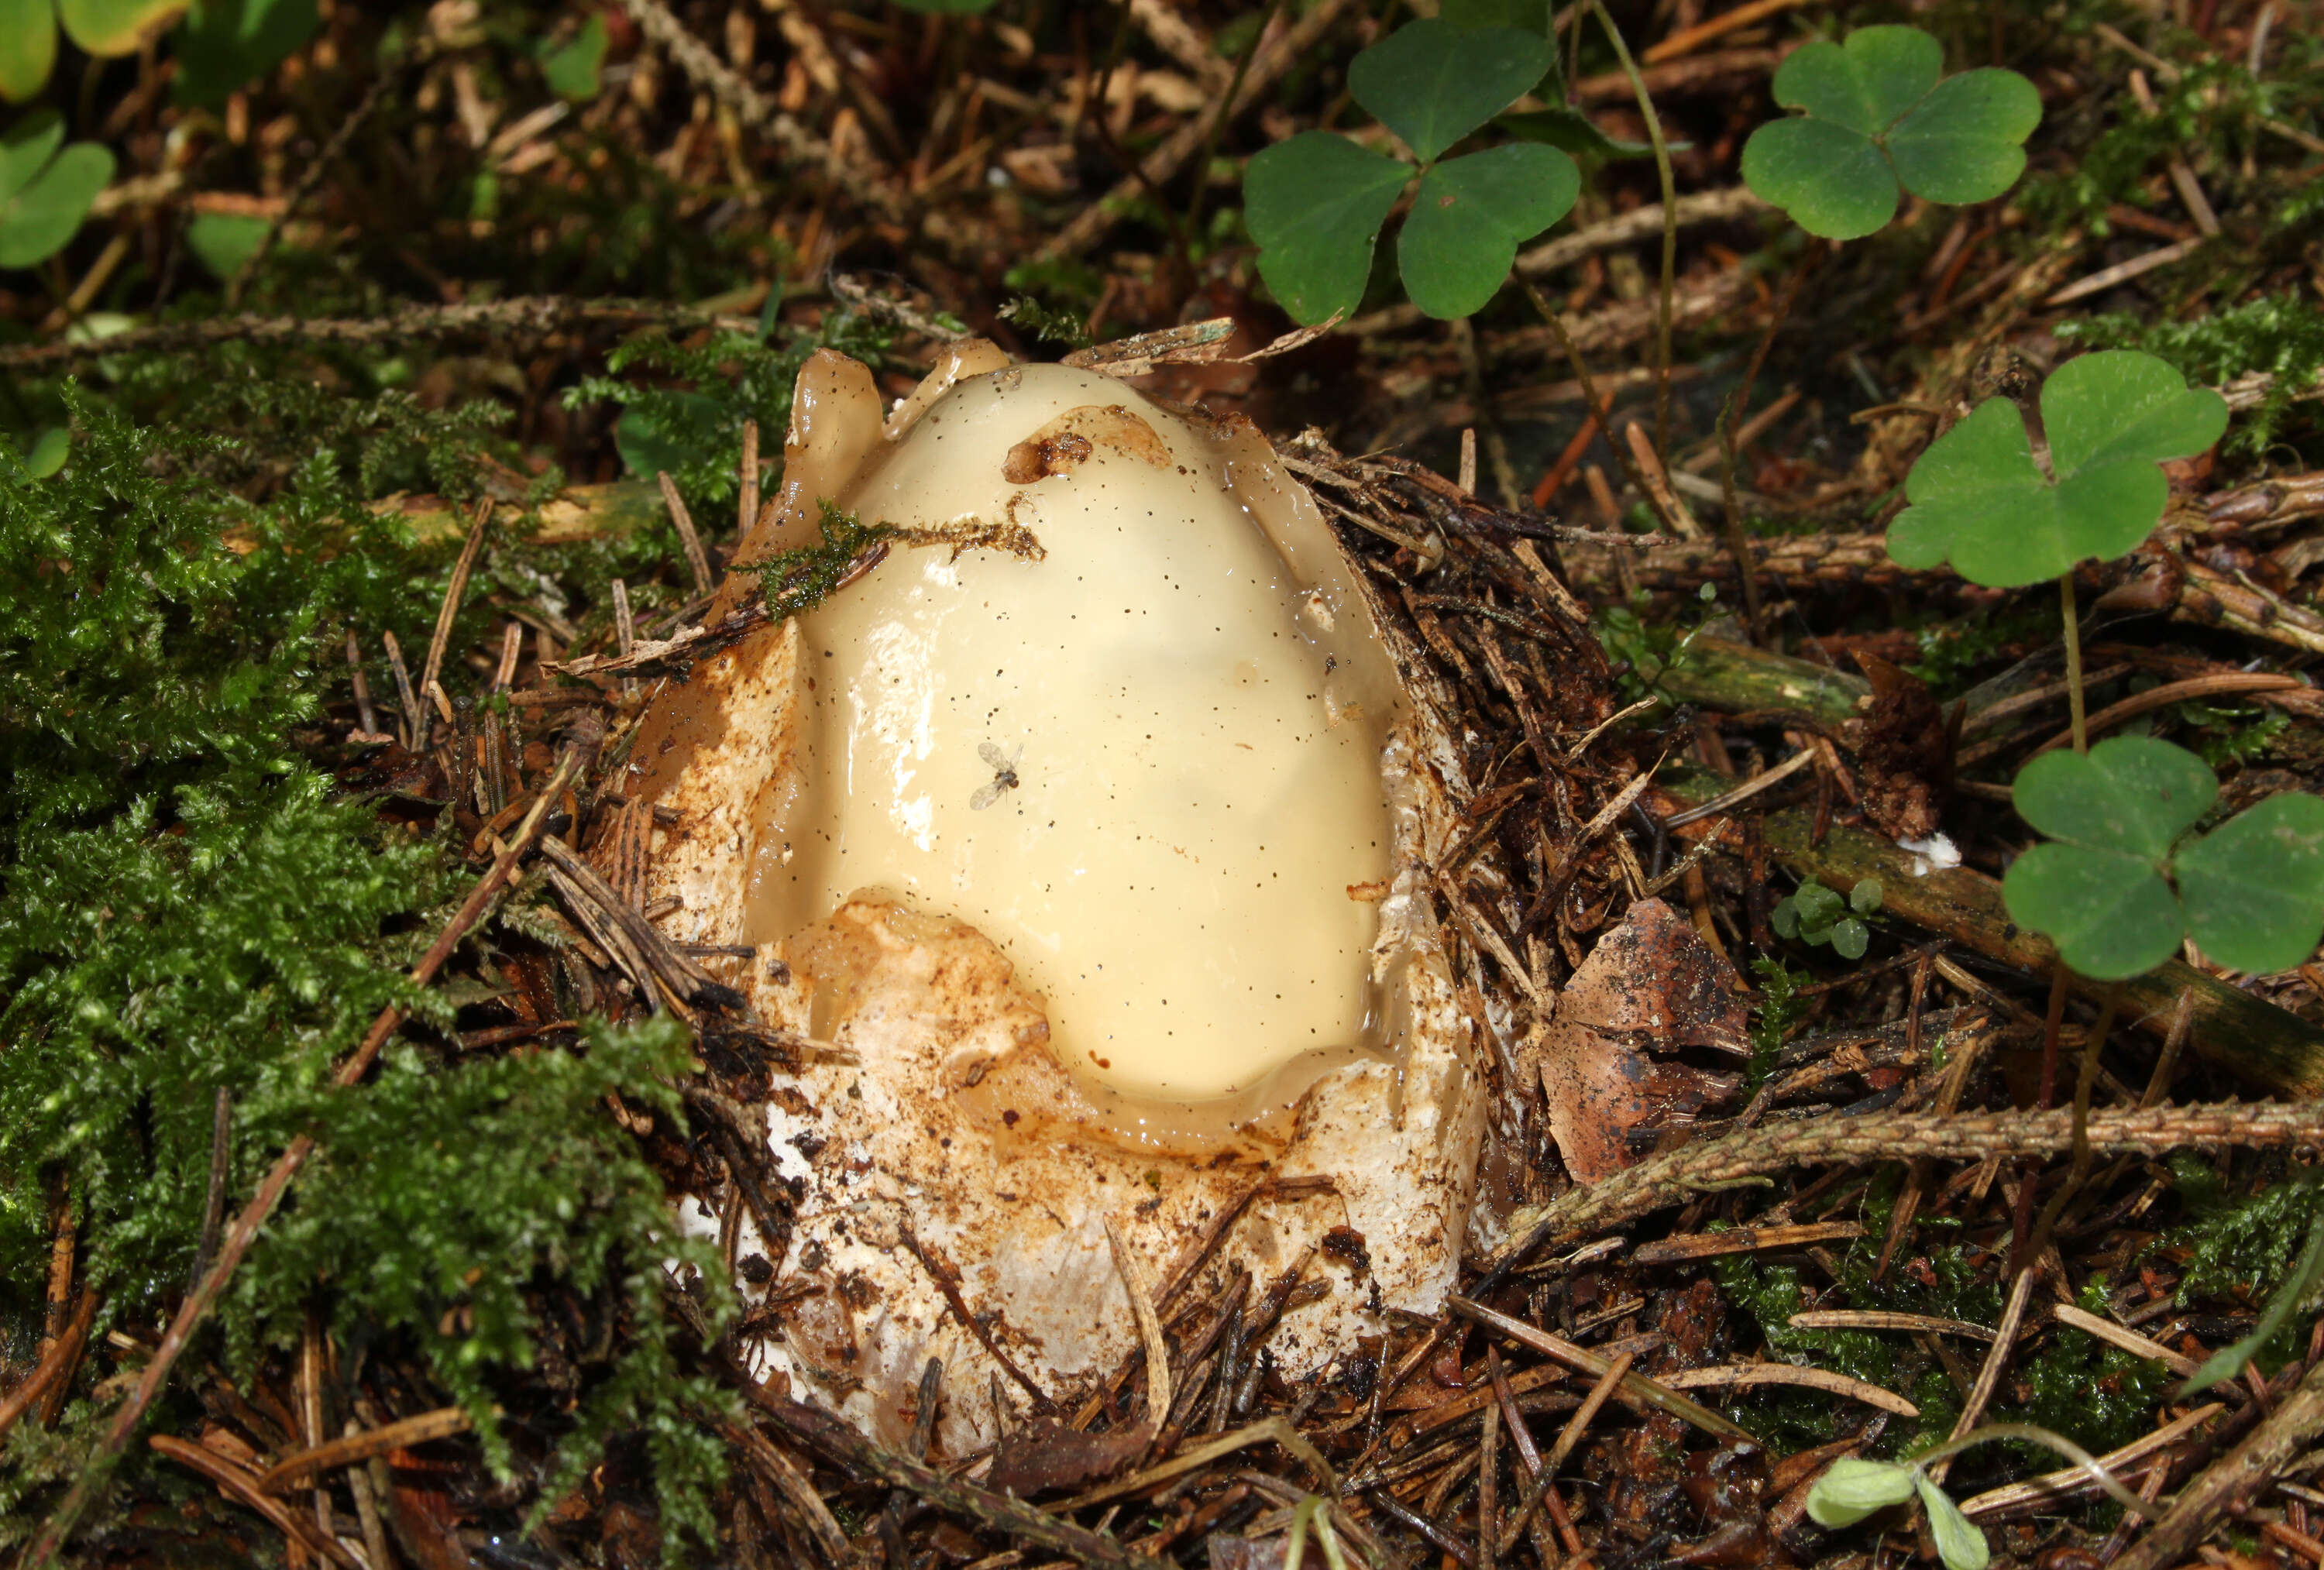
(1085, 832)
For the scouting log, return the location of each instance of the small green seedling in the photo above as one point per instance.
(2250, 893)
(2112, 416)
(1817, 916)
(46, 187)
(1852, 1488)
(1877, 117)
(1315, 203)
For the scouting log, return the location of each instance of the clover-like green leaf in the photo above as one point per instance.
(2110, 915)
(2099, 893)
(2111, 417)
(1852, 1488)
(1574, 132)
(2133, 794)
(575, 68)
(1966, 140)
(2254, 888)
(224, 242)
(28, 47)
(1315, 205)
(1469, 217)
(1959, 1544)
(45, 191)
(25, 148)
(1433, 83)
(1531, 15)
(228, 44)
(1875, 115)
(116, 27)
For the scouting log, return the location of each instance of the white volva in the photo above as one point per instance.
(1142, 756)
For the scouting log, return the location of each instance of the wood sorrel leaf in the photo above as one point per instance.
(1875, 115)
(2111, 417)
(44, 198)
(228, 43)
(1315, 205)
(1852, 1488)
(1469, 217)
(2254, 886)
(2133, 794)
(28, 47)
(2098, 891)
(1433, 83)
(116, 27)
(1959, 1544)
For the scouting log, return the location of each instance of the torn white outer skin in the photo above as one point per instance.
(954, 1116)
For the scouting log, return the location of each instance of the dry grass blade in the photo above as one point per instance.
(1138, 1281)
(241, 1487)
(363, 1445)
(454, 589)
(1266, 1431)
(1636, 1389)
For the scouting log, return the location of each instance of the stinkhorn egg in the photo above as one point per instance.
(1086, 831)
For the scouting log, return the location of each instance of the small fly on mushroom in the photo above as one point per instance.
(1004, 774)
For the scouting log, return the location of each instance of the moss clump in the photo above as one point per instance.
(187, 908)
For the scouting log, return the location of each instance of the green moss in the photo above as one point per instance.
(188, 906)
(684, 403)
(2281, 334)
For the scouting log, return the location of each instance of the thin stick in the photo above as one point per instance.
(453, 591)
(1218, 121)
(1570, 1436)
(363, 1443)
(221, 1161)
(2073, 660)
(697, 561)
(246, 1225)
(1730, 444)
(1997, 1359)
(1601, 407)
(625, 631)
(1138, 1281)
(410, 724)
(364, 712)
(59, 1358)
(1670, 225)
(747, 511)
(1894, 1136)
